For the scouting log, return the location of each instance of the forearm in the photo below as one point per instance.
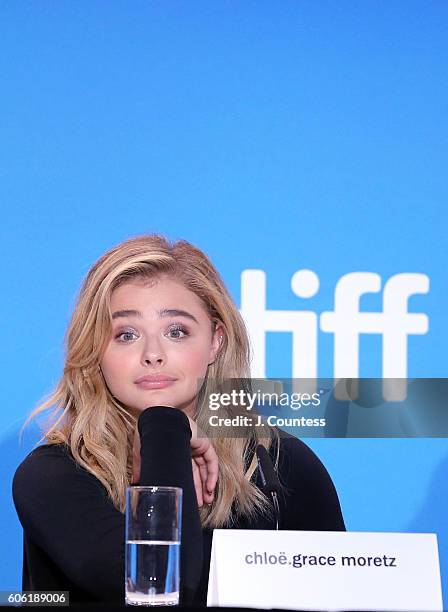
(166, 461)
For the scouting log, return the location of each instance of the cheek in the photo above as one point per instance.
(112, 366)
(197, 362)
(114, 374)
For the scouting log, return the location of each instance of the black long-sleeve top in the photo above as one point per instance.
(74, 537)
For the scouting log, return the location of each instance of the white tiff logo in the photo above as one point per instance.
(394, 323)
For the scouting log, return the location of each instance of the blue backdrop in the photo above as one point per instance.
(277, 137)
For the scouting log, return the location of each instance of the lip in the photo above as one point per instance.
(155, 378)
(156, 384)
(155, 381)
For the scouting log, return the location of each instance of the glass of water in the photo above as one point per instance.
(153, 531)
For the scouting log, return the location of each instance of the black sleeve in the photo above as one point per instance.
(65, 510)
(166, 460)
(310, 501)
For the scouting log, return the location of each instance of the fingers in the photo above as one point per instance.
(206, 460)
(211, 459)
(207, 496)
(197, 483)
(203, 473)
(205, 457)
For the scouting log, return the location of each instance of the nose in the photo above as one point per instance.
(153, 353)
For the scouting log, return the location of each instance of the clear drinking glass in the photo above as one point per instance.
(153, 530)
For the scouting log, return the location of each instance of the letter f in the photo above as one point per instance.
(395, 323)
(347, 322)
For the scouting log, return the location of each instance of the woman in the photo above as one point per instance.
(154, 331)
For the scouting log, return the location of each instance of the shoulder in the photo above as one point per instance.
(46, 469)
(294, 452)
(54, 455)
(308, 486)
(299, 467)
(42, 464)
(46, 457)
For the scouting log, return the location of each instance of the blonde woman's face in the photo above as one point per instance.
(160, 330)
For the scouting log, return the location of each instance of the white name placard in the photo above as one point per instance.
(325, 570)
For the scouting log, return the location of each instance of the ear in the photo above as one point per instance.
(217, 342)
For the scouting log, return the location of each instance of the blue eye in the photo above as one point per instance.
(176, 329)
(175, 332)
(125, 336)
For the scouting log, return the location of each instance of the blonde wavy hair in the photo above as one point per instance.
(98, 429)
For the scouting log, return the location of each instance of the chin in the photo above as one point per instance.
(156, 400)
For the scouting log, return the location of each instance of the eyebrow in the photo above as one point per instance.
(166, 312)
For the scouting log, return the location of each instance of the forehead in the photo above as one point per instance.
(148, 295)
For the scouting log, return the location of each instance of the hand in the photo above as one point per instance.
(204, 463)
